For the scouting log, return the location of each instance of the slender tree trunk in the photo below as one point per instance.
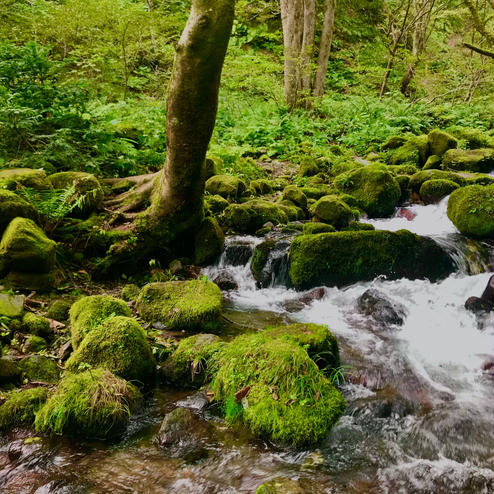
(324, 47)
(307, 50)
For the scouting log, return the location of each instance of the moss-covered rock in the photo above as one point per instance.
(12, 206)
(475, 160)
(261, 187)
(10, 372)
(472, 138)
(478, 179)
(315, 227)
(12, 178)
(294, 194)
(119, 345)
(440, 142)
(130, 292)
(40, 368)
(419, 178)
(209, 242)
(20, 407)
(434, 190)
(394, 142)
(317, 191)
(433, 163)
(292, 211)
(194, 304)
(11, 306)
(94, 403)
(330, 209)
(342, 258)
(25, 248)
(34, 344)
(308, 167)
(187, 366)
(216, 203)
(471, 209)
(37, 325)
(406, 154)
(89, 312)
(252, 215)
(59, 310)
(375, 189)
(225, 186)
(276, 389)
(403, 182)
(41, 282)
(357, 226)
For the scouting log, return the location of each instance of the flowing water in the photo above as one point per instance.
(420, 416)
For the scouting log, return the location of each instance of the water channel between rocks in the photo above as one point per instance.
(420, 416)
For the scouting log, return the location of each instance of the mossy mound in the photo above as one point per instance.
(295, 195)
(440, 142)
(20, 407)
(38, 325)
(357, 226)
(471, 209)
(40, 368)
(59, 310)
(12, 178)
(308, 167)
(375, 189)
(419, 178)
(25, 248)
(191, 304)
(225, 186)
(261, 187)
(331, 210)
(130, 292)
(317, 191)
(343, 258)
(119, 345)
(434, 190)
(34, 344)
(414, 151)
(188, 365)
(472, 138)
(321, 345)
(88, 192)
(433, 163)
(276, 390)
(209, 242)
(475, 160)
(94, 403)
(42, 282)
(89, 312)
(216, 203)
(252, 215)
(12, 206)
(10, 372)
(316, 227)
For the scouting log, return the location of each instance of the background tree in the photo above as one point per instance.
(481, 13)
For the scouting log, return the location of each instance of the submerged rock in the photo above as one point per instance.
(225, 280)
(269, 262)
(375, 304)
(238, 254)
(484, 303)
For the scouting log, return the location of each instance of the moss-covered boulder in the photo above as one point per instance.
(12, 206)
(406, 154)
(343, 258)
(94, 403)
(308, 167)
(40, 368)
(59, 310)
(12, 178)
(419, 178)
(434, 190)
(316, 227)
(471, 209)
(321, 345)
(42, 282)
(119, 345)
(209, 242)
(225, 186)
(261, 187)
(252, 215)
(440, 142)
(472, 138)
(292, 211)
(317, 191)
(474, 160)
(294, 194)
(276, 390)
(216, 203)
(34, 344)
(403, 182)
(89, 312)
(331, 210)
(130, 291)
(20, 407)
(269, 261)
(394, 142)
(37, 325)
(194, 304)
(375, 189)
(88, 192)
(433, 163)
(187, 366)
(10, 372)
(357, 226)
(25, 248)
(11, 306)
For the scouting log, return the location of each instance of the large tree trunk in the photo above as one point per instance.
(192, 102)
(324, 47)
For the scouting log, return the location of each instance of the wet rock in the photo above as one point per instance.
(300, 302)
(225, 280)
(484, 303)
(373, 303)
(487, 366)
(238, 254)
(269, 264)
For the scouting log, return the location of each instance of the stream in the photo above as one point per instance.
(420, 415)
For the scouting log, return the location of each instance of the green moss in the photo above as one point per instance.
(403, 182)
(187, 367)
(34, 344)
(225, 186)
(38, 325)
(408, 154)
(475, 160)
(94, 403)
(10, 372)
(59, 310)
(11, 305)
(357, 226)
(472, 138)
(398, 170)
(292, 211)
(40, 368)
(308, 167)
(89, 312)
(41, 282)
(440, 142)
(20, 407)
(478, 179)
(434, 190)
(209, 242)
(191, 304)
(12, 178)
(433, 163)
(330, 209)
(287, 398)
(315, 227)
(419, 178)
(130, 292)
(471, 209)
(295, 195)
(394, 142)
(261, 187)
(317, 191)
(12, 206)
(252, 215)
(216, 203)
(374, 188)
(119, 345)
(25, 248)
(342, 258)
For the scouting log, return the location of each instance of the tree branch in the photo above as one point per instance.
(477, 49)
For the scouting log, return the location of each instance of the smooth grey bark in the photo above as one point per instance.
(324, 47)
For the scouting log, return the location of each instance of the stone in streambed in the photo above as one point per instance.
(375, 304)
(225, 280)
(484, 303)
